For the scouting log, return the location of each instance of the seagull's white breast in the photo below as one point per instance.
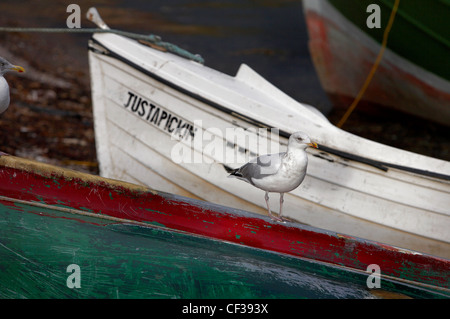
(4, 94)
(289, 176)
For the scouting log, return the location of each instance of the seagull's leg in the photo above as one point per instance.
(281, 206)
(266, 197)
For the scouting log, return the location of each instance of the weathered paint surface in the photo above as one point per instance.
(128, 261)
(186, 222)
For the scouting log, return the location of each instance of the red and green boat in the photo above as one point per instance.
(65, 234)
(414, 72)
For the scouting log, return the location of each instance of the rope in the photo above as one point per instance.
(374, 67)
(150, 38)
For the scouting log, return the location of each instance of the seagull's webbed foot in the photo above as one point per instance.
(283, 220)
(276, 218)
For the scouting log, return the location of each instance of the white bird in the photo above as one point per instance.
(279, 173)
(5, 66)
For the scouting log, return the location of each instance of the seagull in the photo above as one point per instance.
(5, 66)
(278, 173)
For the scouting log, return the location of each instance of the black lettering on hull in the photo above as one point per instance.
(159, 117)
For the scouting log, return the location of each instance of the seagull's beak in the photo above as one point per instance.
(17, 68)
(312, 144)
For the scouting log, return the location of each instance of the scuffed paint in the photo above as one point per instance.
(129, 261)
(125, 202)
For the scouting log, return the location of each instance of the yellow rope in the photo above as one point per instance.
(374, 67)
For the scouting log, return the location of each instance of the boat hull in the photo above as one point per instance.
(409, 77)
(137, 104)
(133, 242)
(123, 260)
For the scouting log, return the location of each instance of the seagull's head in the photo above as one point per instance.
(5, 66)
(301, 140)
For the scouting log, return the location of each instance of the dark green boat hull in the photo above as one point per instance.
(129, 261)
(420, 33)
(413, 73)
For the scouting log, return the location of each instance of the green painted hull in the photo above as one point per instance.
(129, 241)
(420, 32)
(120, 260)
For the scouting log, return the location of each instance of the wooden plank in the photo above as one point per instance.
(127, 260)
(30, 181)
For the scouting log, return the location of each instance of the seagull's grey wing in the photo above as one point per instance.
(259, 167)
(268, 164)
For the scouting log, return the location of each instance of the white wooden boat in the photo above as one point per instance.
(353, 185)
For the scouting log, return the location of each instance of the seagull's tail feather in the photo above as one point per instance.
(229, 170)
(234, 172)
